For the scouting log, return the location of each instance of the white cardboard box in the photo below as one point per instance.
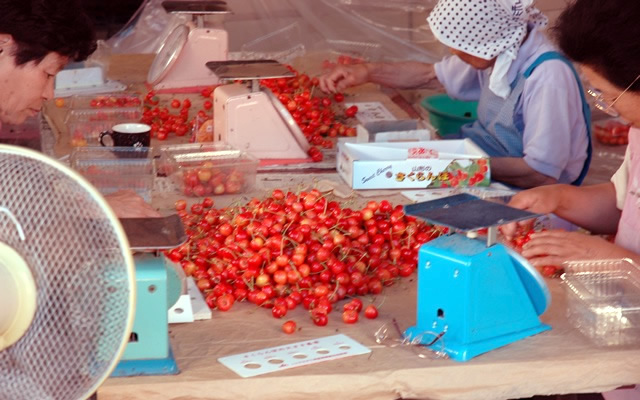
(414, 165)
(408, 130)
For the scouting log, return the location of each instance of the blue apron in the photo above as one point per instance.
(496, 130)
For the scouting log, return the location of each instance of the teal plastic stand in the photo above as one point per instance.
(159, 366)
(479, 298)
(148, 351)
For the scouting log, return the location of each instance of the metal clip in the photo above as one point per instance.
(395, 337)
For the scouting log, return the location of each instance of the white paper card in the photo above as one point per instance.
(201, 310)
(293, 355)
(182, 311)
(372, 111)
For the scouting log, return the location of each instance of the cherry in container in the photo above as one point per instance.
(612, 133)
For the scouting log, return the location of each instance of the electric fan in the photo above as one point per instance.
(67, 285)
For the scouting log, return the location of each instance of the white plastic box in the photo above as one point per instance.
(408, 130)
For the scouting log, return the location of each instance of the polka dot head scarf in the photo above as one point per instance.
(486, 29)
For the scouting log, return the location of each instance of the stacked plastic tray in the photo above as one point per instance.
(111, 169)
(91, 115)
(604, 300)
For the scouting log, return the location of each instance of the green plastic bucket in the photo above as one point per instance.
(448, 115)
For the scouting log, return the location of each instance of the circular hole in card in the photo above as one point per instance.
(323, 351)
(300, 356)
(252, 365)
(276, 361)
(344, 347)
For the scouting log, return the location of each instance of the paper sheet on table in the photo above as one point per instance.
(372, 111)
(554, 362)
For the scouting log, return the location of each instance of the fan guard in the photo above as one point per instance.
(79, 259)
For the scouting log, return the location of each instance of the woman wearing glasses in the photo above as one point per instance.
(532, 116)
(604, 42)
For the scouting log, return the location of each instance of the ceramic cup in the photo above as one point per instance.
(127, 135)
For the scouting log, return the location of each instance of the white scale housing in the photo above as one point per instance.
(181, 60)
(253, 119)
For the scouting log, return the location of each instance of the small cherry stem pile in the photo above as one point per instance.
(290, 249)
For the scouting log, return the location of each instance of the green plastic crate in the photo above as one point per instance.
(448, 115)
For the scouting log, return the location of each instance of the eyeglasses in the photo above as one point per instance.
(603, 105)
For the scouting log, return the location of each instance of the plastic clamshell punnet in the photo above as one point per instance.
(603, 300)
(204, 169)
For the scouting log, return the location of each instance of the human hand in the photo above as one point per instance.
(343, 77)
(540, 200)
(557, 246)
(128, 204)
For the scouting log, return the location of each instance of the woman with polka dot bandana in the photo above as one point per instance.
(533, 120)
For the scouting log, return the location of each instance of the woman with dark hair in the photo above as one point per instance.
(532, 121)
(37, 39)
(602, 37)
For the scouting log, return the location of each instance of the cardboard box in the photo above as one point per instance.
(413, 165)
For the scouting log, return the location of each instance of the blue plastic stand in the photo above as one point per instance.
(148, 351)
(481, 297)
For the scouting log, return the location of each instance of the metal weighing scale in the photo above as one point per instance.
(474, 295)
(180, 62)
(159, 285)
(251, 118)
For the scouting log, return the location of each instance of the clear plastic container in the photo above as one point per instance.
(84, 125)
(109, 100)
(111, 169)
(204, 169)
(603, 300)
(613, 132)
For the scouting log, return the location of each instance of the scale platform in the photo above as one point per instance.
(180, 62)
(196, 7)
(466, 212)
(154, 233)
(252, 119)
(474, 295)
(251, 69)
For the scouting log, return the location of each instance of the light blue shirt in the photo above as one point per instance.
(550, 108)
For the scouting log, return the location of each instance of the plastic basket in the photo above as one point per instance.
(448, 115)
(603, 300)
